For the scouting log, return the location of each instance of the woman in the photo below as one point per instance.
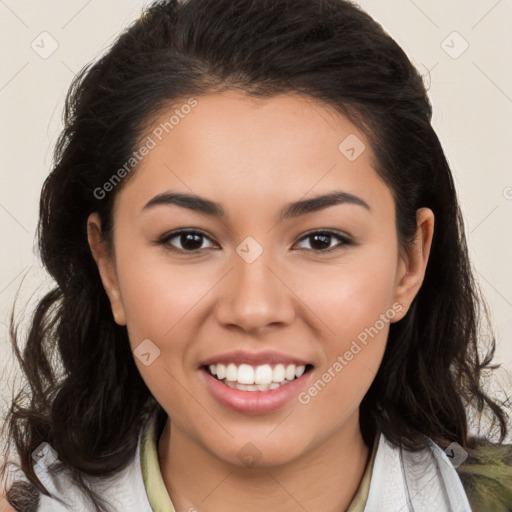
(320, 351)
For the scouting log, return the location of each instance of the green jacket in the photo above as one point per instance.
(487, 476)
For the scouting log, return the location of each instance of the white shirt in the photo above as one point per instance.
(401, 481)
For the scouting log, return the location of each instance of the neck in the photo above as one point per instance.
(325, 478)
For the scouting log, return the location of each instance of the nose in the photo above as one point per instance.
(255, 296)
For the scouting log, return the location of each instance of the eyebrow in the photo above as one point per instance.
(291, 210)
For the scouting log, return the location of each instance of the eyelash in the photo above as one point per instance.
(165, 240)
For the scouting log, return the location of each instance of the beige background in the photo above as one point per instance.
(471, 92)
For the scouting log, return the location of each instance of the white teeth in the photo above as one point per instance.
(299, 371)
(245, 374)
(231, 372)
(290, 372)
(262, 375)
(278, 374)
(254, 387)
(220, 371)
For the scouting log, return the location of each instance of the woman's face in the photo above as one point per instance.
(272, 272)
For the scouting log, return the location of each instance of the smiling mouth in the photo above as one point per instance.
(257, 378)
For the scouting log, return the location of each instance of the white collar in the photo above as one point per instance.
(406, 481)
(401, 481)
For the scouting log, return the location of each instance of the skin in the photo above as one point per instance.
(4, 506)
(254, 157)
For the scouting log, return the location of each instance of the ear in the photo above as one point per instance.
(106, 267)
(413, 264)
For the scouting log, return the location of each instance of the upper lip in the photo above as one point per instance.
(254, 358)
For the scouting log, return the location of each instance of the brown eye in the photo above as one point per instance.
(187, 241)
(320, 241)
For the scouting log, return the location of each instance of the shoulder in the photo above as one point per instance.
(419, 477)
(23, 495)
(124, 490)
(486, 475)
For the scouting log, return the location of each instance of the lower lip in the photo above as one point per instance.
(254, 402)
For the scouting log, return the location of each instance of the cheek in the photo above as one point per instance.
(160, 302)
(350, 296)
(157, 295)
(354, 301)
(356, 310)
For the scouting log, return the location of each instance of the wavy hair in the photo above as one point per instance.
(83, 393)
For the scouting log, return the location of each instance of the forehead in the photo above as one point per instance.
(231, 145)
(234, 125)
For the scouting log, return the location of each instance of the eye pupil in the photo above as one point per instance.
(186, 238)
(321, 237)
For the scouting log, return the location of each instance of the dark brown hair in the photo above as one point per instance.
(84, 394)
